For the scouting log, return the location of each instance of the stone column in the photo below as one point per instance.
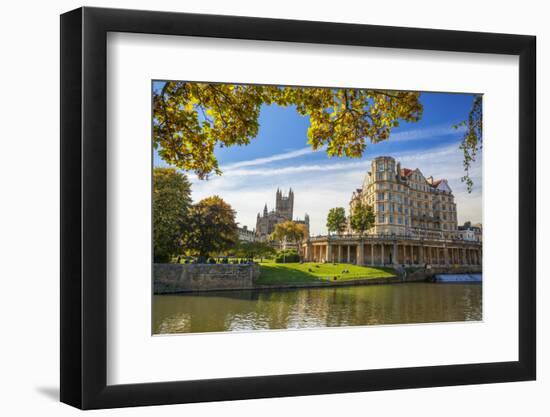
(360, 253)
(348, 254)
(382, 254)
(421, 254)
(329, 252)
(446, 254)
(372, 253)
(339, 253)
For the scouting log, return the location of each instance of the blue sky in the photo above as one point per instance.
(280, 157)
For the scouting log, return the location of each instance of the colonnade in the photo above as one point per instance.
(387, 253)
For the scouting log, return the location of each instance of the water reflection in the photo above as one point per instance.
(316, 307)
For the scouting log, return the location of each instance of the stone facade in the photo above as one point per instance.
(470, 232)
(175, 278)
(406, 203)
(284, 210)
(246, 235)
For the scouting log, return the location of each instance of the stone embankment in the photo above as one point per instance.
(412, 274)
(179, 278)
(174, 278)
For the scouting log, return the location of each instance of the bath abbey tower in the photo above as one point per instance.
(284, 210)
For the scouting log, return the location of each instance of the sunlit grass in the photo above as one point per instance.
(274, 273)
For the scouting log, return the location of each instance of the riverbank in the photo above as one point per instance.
(183, 278)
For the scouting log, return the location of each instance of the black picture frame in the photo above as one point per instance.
(84, 207)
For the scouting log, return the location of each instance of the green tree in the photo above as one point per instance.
(171, 202)
(212, 227)
(191, 119)
(336, 220)
(362, 218)
(254, 250)
(472, 141)
(289, 231)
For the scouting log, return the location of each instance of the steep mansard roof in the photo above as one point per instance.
(407, 172)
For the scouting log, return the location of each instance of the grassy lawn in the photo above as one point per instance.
(273, 273)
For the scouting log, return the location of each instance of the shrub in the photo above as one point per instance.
(287, 256)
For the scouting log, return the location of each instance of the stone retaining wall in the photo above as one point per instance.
(422, 274)
(174, 278)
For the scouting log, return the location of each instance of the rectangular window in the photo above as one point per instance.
(381, 218)
(391, 219)
(400, 220)
(381, 207)
(380, 196)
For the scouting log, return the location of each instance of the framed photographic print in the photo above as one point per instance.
(256, 208)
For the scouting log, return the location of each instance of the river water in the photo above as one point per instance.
(316, 307)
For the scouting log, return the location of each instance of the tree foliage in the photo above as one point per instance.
(362, 218)
(190, 119)
(472, 141)
(254, 250)
(336, 220)
(171, 202)
(212, 227)
(289, 230)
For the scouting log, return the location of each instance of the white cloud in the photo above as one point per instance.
(427, 133)
(413, 134)
(278, 157)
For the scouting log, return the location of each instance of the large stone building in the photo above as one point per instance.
(284, 210)
(406, 202)
(415, 223)
(245, 234)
